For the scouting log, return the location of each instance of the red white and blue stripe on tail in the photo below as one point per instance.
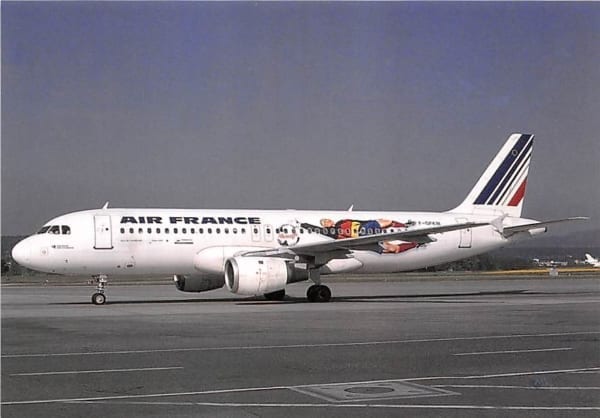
(501, 188)
(507, 185)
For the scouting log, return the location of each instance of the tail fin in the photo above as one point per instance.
(501, 188)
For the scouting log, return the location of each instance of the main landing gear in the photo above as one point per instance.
(99, 298)
(317, 292)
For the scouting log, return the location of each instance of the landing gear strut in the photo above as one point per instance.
(99, 298)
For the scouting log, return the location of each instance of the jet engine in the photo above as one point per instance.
(198, 283)
(260, 275)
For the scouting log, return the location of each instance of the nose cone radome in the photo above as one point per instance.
(21, 253)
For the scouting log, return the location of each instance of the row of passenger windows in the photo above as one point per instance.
(55, 229)
(185, 230)
(339, 231)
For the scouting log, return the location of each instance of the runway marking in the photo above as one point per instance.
(143, 369)
(360, 406)
(513, 374)
(536, 350)
(270, 388)
(292, 346)
(520, 387)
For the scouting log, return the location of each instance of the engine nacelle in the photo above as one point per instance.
(198, 283)
(259, 275)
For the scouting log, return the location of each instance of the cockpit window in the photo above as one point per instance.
(66, 229)
(54, 229)
(44, 229)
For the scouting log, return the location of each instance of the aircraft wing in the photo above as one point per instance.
(510, 230)
(367, 242)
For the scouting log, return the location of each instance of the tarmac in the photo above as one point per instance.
(460, 346)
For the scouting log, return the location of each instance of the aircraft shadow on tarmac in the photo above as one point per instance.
(259, 300)
(413, 298)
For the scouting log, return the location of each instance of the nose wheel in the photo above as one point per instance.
(99, 298)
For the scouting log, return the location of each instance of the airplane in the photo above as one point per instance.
(592, 261)
(259, 252)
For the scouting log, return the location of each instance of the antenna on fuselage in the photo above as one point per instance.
(105, 205)
(351, 207)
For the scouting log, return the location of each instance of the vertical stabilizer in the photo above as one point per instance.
(501, 188)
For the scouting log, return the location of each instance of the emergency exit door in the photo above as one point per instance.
(466, 235)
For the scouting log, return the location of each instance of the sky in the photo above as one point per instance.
(386, 106)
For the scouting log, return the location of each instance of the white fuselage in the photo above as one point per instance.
(189, 241)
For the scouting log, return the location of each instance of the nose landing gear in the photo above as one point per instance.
(99, 298)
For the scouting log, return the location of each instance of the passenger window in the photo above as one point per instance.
(54, 229)
(243, 230)
(184, 231)
(131, 230)
(268, 230)
(201, 230)
(141, 231)
(226, 230)
(218, 230)
(209, 230)
(166, 230)
(122, 230)
(234, 230)
(174, 230)
(149, 230)
(44, 230)
(66, 230)
(158, 230)
(192, 230)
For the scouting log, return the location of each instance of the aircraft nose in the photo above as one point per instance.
(21, 253)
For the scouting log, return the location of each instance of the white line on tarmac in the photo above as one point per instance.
(370, 406)
(487, 376)
(519, 387)
(536, 350)
(292, 346)
(268, 388)
(143, 369)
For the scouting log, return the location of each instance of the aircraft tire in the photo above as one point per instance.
(318, 293)
(277, 295)
(98, 298)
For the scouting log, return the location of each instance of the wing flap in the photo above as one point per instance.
(367, 242)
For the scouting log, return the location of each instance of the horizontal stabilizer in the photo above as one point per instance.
(511, 230)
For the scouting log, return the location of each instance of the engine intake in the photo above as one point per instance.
(260, 275)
